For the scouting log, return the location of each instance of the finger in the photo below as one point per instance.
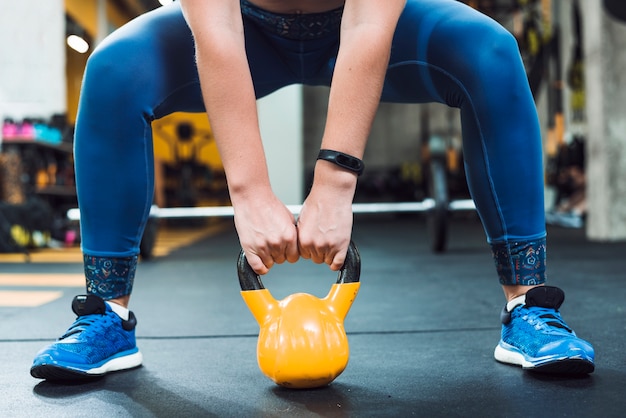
(317, 255)
(305, 254)
(287, 248)
(303, 249)
(292, 252)
(279, 256)
(337, 261)
(329, 257)
(257, 264)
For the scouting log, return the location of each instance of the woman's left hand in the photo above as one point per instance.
(325, 223)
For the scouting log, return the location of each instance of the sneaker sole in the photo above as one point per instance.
(56, 372)
(566, 365)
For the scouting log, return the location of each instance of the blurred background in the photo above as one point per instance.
(574, 52)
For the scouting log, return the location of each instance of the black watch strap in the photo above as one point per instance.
(345, 161)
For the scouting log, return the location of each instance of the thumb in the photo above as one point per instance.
(338, 261)
(257, 264)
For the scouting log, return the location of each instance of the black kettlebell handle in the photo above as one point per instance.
(350, 272)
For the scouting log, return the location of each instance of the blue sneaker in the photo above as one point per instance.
(98, 342)
(535, 336)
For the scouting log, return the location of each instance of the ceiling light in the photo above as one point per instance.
(77, 43)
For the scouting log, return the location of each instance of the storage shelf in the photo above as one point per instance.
(63, 146)
(56, 190)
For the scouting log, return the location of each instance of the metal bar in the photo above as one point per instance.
(461, 205)
(357, 208)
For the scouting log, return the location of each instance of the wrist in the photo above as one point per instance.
(242, 189)
(330, 175)
(345, 161)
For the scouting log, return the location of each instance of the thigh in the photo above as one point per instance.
(147, 65)
(445, 51)
(436, 52)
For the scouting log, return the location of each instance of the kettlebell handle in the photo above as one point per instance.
(350, 272)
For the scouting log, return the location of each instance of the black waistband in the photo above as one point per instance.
(301, 26)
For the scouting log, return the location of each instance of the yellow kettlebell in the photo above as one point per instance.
(302, 341)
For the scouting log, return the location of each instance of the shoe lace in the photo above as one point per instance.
(82, 323)
(547, 317)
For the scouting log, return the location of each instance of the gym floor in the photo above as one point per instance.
(421, 332)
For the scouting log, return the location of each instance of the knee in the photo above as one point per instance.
(484, 61)
(115, 72)
(493, 56)
(499, 50)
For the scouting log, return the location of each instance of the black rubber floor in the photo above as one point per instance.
(422, 332)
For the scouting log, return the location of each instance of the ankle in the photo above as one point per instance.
(122, 301)
(513, 291)
(120, 310)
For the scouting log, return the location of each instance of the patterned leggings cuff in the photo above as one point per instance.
(109, 277)
(521, 263)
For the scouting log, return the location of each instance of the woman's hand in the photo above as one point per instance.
(325, 221)
(266, 228)
(267, 232)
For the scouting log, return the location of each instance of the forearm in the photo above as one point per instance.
(354, 96)
(231, 106)
(357, 85)
(229, 96)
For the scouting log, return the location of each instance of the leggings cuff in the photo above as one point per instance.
(520, 262)
(109, 277)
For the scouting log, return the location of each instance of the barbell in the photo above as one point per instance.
(357, 208)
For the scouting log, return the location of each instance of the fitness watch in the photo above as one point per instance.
(344, 161)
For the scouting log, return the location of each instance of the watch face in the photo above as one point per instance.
(347, 161)
(342, 160)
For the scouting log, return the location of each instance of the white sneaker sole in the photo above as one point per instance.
(119, 363)
(568, 364)
(57, 371)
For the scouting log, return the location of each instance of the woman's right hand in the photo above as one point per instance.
(266, 228)
(267, 232)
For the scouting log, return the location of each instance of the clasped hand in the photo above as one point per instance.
(269, 235)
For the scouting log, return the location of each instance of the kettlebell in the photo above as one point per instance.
(302, 342)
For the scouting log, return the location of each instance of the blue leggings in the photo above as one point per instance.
(443, 51)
